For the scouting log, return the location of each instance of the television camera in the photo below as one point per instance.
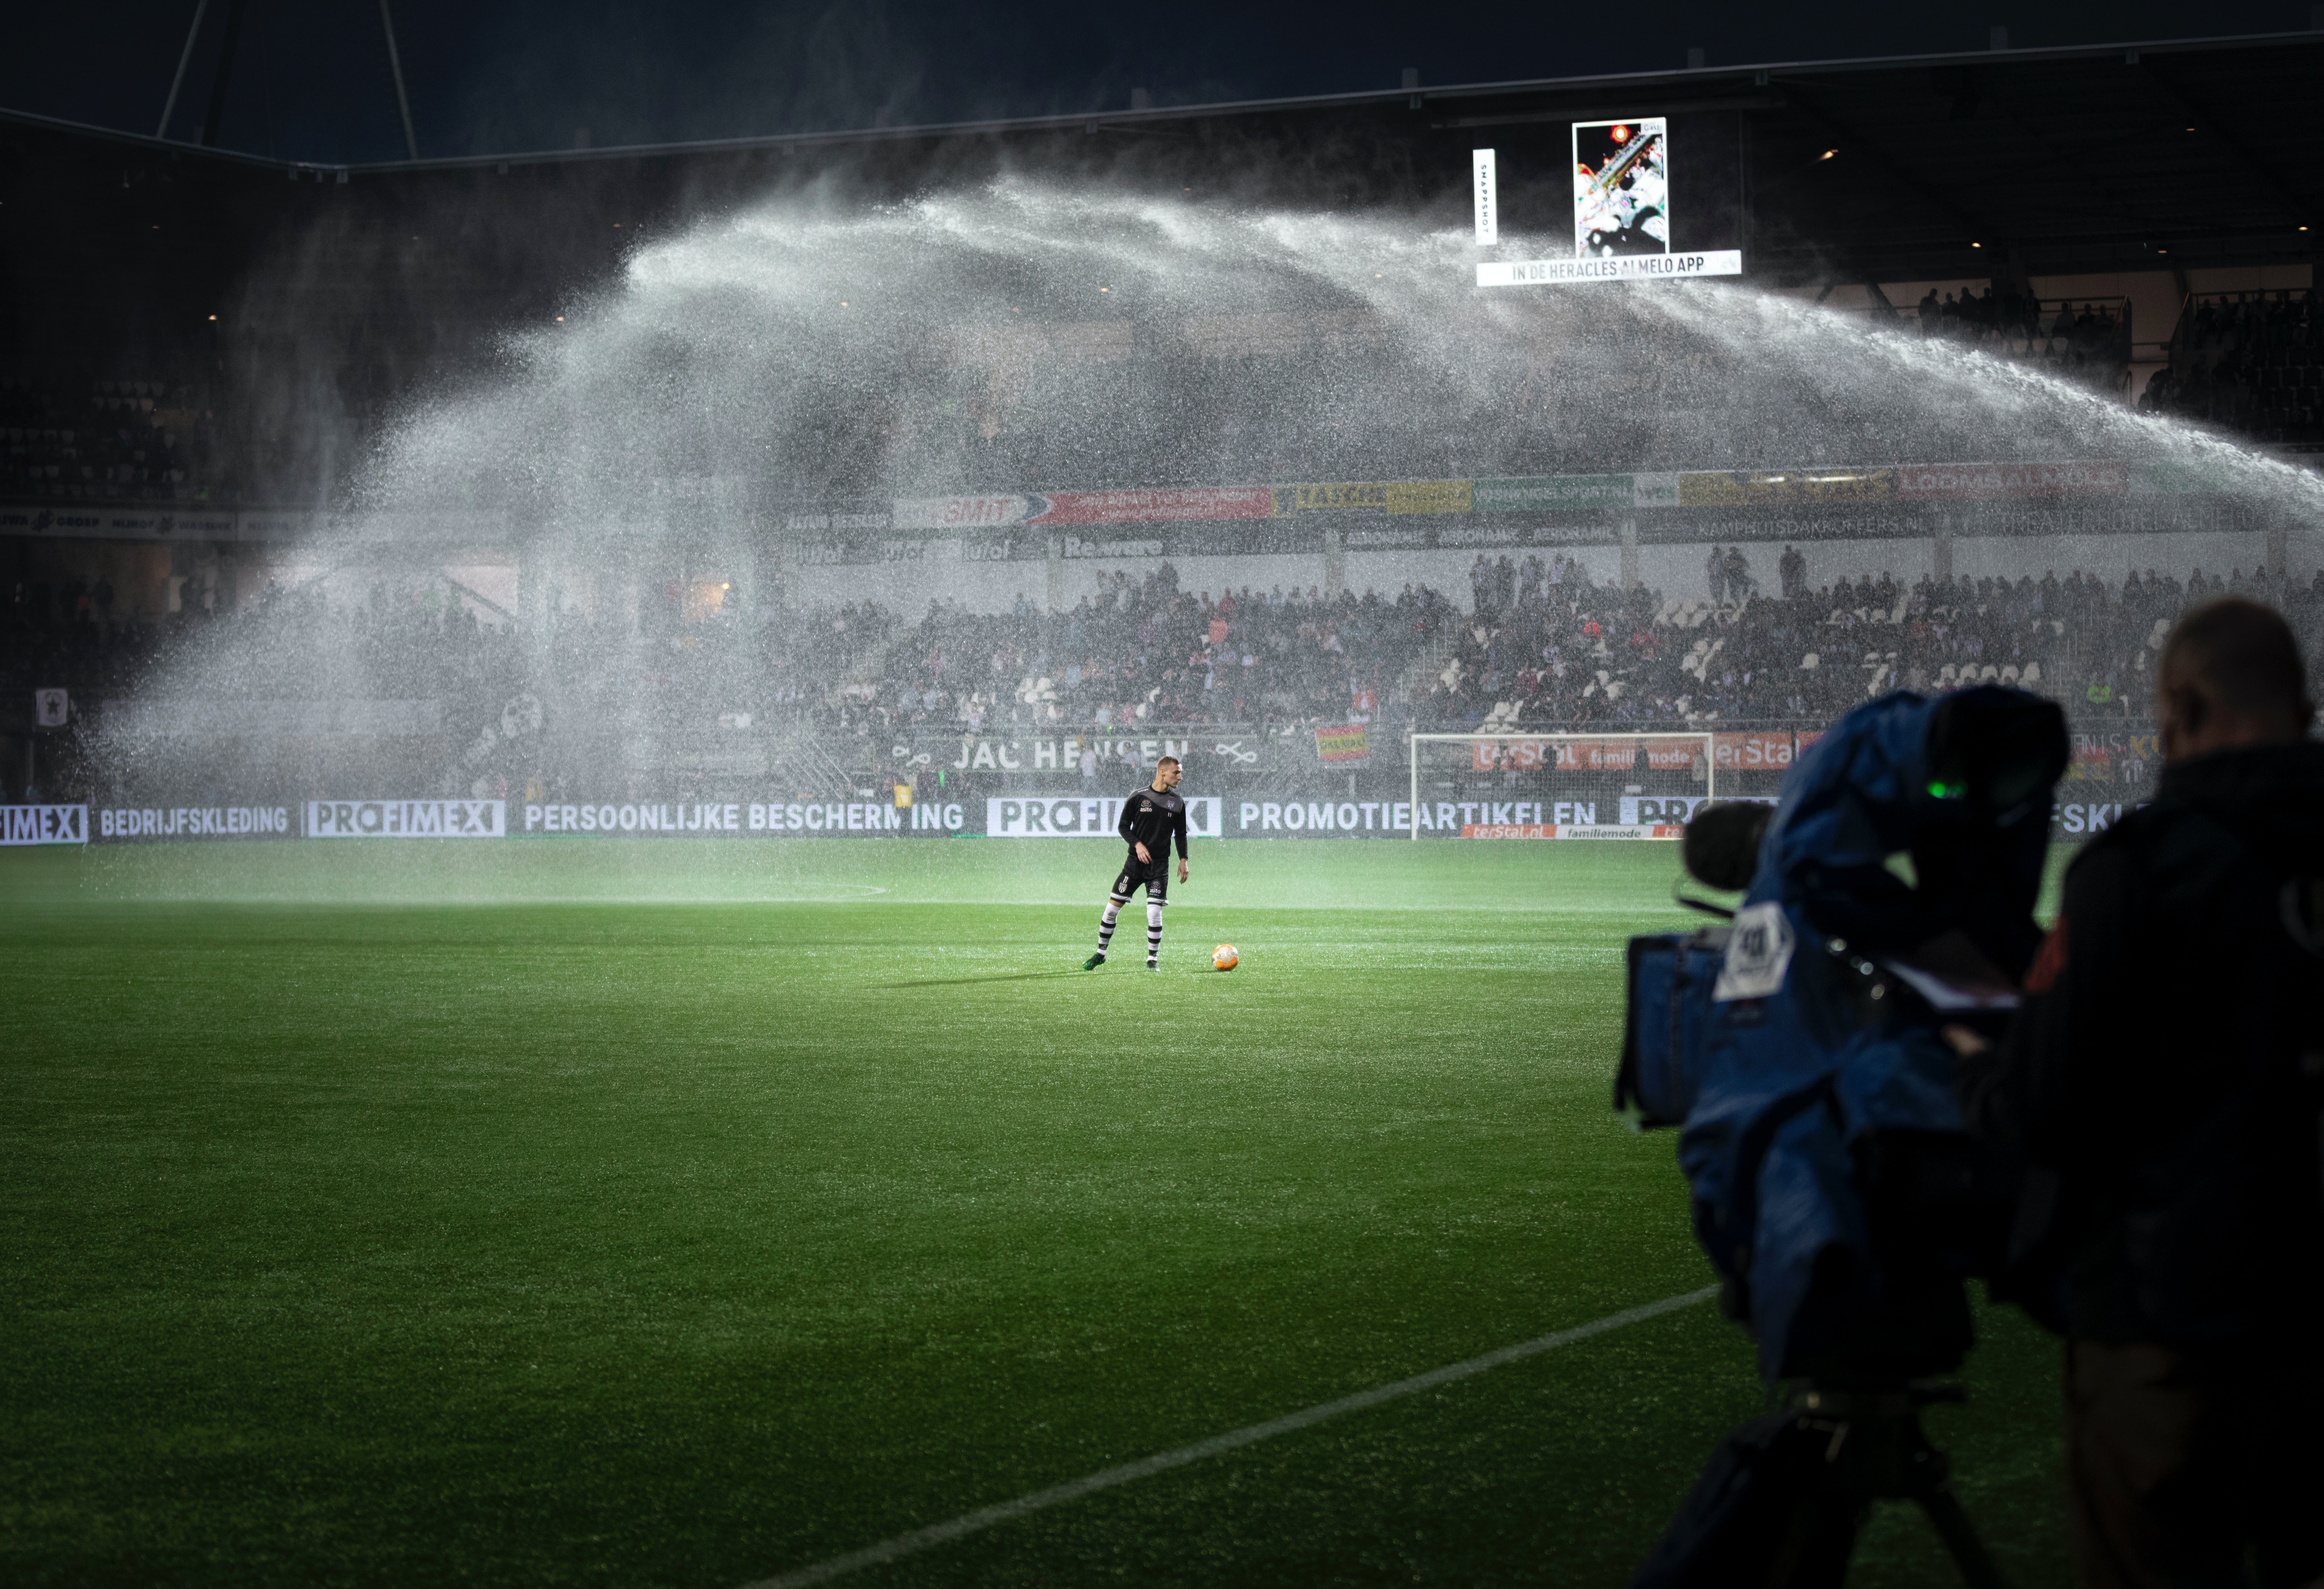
(1798, 1048)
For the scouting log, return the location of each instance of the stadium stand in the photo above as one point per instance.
(119, 441)
(2249, 361)
(1546, 649)
(1595, 655)
(2086, 340)
(1152, 653)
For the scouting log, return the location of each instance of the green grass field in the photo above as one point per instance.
(670, 1212)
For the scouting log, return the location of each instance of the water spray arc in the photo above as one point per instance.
(689, 441)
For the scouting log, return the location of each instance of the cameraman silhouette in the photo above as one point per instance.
(2164, 1084)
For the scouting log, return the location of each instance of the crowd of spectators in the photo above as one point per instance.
(2088, 342)
(1543, 647)
(2250, 361)
(122, 441)
(1142, 652)
(416, 641)
(1578, 654)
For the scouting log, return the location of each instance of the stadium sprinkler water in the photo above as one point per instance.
(907, 374)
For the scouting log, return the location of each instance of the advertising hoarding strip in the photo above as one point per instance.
(1173, 504)
(1957, 482)
(1660, 816)
(969, 513)
(1818, 485)
(1609, 830)
(740, 818)
(129, 823)
(1077, 816)
(1553, 494)
(407, 818)
(44, 825)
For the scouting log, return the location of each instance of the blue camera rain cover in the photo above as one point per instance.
(1796, 1067)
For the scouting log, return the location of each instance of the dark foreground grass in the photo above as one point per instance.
(582, 1238)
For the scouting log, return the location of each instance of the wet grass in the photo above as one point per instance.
(687, 1211)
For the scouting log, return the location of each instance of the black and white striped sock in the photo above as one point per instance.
(1152, 932)
(1105, 924)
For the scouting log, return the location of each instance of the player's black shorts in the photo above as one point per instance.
(1156, 879)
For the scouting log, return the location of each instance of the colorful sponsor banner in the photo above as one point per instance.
(974, 517)
(1039, 816)
(44, 825)
(1352, 742)
(1164, 507)
(1653, 491)
(1765, 750)
(1382, 497)
(1582, 755)
(407, 818)
(1957, 482)
(2103, 758)
(1554, 494)
(1719, 488)
(964, 512)
(139, 822)
(1594, 830)
(126, 522)
(1155, 505)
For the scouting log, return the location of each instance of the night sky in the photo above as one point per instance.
(311, 82)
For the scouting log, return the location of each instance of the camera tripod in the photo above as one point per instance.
(1876, 1451)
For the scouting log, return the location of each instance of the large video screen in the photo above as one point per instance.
(1621, 188)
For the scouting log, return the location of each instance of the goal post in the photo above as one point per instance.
(1573, 785)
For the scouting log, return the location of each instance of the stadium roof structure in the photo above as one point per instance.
(1999, 164)
(2071, 158)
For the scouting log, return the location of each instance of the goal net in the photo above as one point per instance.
(1559, 785)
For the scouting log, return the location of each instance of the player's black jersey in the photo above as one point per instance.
(1151, 817)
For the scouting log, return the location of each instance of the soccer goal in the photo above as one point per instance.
(1559, 785)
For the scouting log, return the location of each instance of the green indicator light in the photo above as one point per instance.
(1942, 790)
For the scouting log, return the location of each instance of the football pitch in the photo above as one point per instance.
(696, 1212)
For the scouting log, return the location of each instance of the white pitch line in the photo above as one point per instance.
(919, 1539)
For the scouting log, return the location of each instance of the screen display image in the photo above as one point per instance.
(1621, 188)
